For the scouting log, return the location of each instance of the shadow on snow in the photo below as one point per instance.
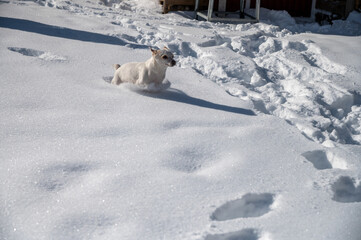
(176, 95)
(61, 32)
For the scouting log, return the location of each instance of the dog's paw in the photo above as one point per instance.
(165, 84)
(153, 87)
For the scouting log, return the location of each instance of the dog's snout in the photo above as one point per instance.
(173, 62)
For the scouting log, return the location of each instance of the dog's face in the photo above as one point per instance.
(164, 57)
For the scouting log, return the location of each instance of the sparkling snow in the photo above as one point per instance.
(255, 134)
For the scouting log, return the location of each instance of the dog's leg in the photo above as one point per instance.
(143, 78)
(116, 79)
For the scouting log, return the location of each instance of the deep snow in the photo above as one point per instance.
(257, 137)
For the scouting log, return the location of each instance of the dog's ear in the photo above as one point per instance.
(154, 52)
(165, 48)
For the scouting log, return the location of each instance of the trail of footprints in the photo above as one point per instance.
(345, 189)
(252, 205)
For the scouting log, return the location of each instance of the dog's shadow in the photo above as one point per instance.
(176, 95)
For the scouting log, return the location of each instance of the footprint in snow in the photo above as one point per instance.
(47, 56)
(345, 190)
(324, 160)
(187, 160)
(245, 234)
(250, 205)
(55, 178)
(82, 226)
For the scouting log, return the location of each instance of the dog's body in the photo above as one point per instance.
(144, 73)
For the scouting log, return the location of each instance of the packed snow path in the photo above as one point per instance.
(257, 136)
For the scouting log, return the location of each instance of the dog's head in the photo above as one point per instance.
(164, 57)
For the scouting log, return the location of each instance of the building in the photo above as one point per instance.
(296, 8)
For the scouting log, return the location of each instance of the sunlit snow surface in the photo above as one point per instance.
(254, 135)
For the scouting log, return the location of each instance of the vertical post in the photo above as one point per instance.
(196, 7)
(258, 6)
(222, 8)
(313, 9)
(241, 9)
(248, 4)
(210, 10)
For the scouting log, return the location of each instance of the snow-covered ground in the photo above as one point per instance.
(258, 136)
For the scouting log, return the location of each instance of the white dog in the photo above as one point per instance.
(145, 73)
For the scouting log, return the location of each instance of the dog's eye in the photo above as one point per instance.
(164, 57)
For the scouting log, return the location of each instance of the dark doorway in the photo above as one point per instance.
(296, 8)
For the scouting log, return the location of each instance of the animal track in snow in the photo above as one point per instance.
(187, 160)
(47, 56)
(318, 158)
(250, 205)
(55, 178)
(346, 191)
(79, 226)
(324, 160)
(245, 234)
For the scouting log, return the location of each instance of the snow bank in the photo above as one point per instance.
(350, 27)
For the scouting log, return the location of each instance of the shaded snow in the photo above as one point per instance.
(254, 135)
